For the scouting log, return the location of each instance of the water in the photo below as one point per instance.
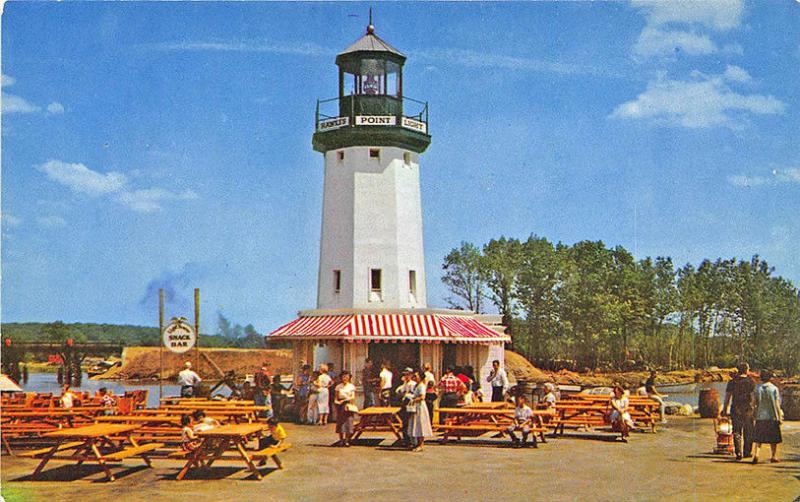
(693, 396)
(47, 382)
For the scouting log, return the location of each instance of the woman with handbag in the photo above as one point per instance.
(345, 401)
(769, 417)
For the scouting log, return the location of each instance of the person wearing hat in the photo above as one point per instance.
(187, 379)
(405, 393)
(260, 383)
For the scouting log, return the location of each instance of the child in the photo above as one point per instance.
(189, 440)
(107, 401)
(277, 434)
(523, 417)
(202, 422)
(549, 399)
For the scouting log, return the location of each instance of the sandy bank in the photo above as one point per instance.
(142, 363)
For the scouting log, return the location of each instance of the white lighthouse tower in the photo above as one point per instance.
(371, 298)
(371, 253)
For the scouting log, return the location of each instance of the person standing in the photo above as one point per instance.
(312, 414)
(386, 384)
(499, 380)
(769, 417)
(450, 387)
(260, 383)
(324, 382)
(188, 379)
(430, 389)
(345, 400)
(739, 406)
(368, 380)
(419, 424)
(301, 385)
(405, 394)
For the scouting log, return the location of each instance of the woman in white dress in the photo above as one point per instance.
(620, 417)
(324, 382)
(419, 427)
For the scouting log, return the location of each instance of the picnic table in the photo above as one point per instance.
(643, 409)
(227, 414)
(378, 419)
(474, 422)
(94, 443)
(491, 405)
(233, 437)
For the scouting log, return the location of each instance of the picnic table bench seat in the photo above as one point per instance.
(132, 451)
(42, 451)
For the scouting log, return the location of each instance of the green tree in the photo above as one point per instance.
(501, 264)
(464, 278)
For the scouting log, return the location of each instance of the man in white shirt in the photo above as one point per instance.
(386, 383)
(187, 379)
(499, 380)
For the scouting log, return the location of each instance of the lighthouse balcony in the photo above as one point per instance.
(362, 120)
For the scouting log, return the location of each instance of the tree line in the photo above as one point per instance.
(588, 306)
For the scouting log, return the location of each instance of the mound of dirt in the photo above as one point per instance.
(142, 363)
(519, 368)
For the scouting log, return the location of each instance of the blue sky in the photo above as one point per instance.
(169, 144)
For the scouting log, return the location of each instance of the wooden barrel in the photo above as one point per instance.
(790, 402)
(709, 403)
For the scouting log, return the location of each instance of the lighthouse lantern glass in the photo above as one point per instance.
(372, 77)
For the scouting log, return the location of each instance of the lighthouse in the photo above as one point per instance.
(371, 252)
(371, 295)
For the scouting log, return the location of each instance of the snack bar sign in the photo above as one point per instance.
(179, 336)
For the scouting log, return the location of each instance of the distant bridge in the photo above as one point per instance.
(71, 353)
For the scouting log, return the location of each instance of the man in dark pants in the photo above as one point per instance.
(499, 380)
(404, 394)
(740, 392)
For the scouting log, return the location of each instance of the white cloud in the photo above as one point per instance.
(81, 179)
(475, 59)
(51, 221)
(704, 101)
(777, 177)
(672, 26)
(735, 73)
(300, 48)
(720, 15)
(16, 104)
(656, 42)
(145, 200)
(6, 81)
(11, 221)
(55, 108)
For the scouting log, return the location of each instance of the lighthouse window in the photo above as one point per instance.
(412, 282)
(340, 155)
(375, 280)
(337, 281)
(407, 158)
(375, 153)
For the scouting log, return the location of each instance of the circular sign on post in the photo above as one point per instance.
(178, 335)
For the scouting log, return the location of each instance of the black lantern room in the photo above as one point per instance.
(370, 108)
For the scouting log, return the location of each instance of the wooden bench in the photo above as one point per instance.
(42, 451)
(132, 451)
(271, 452)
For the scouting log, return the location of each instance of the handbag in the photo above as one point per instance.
(350, 407)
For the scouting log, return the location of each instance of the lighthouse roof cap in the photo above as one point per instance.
(371, 43)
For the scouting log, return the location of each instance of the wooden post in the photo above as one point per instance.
(160, 343)
(197, 328)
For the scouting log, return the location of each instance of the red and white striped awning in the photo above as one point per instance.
(389, 328)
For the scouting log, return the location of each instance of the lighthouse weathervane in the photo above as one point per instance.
(371, 253)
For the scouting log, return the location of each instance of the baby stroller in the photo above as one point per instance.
(724, 431)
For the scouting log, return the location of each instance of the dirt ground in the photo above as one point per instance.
(673, 464)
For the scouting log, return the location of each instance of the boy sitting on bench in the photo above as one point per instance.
(276, 437)
(523, 417)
